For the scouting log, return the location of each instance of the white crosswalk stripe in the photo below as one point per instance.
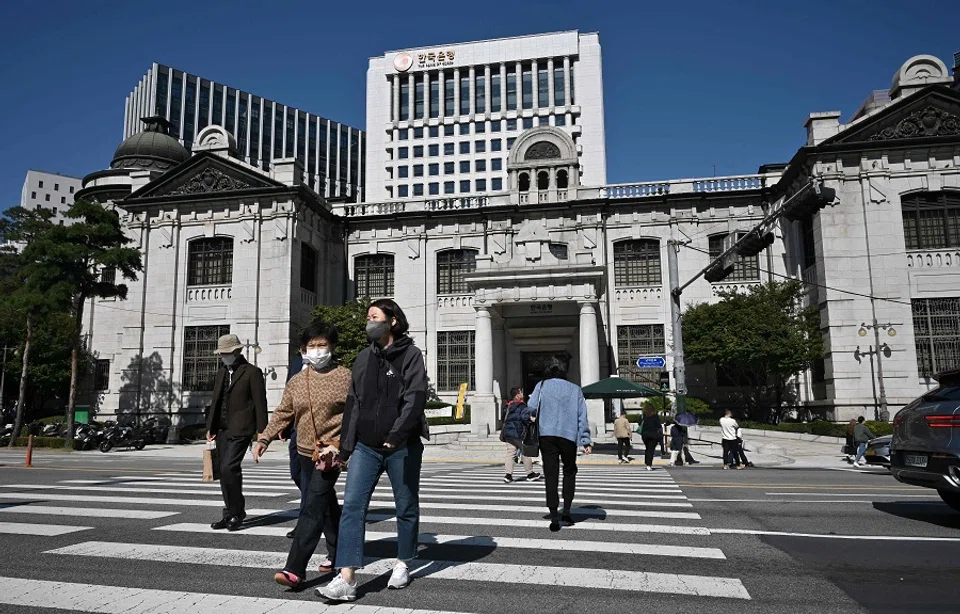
(620, 512)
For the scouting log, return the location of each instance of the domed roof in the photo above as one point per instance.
(152, 149)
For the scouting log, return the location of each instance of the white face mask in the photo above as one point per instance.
(229, 360)
(317, 358)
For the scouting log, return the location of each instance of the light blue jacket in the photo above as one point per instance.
(561, 411)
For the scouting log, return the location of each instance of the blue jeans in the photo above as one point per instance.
(861, 450)
(366, 466)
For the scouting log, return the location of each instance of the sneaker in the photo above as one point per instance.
(671, 464)
(624, 461)
(649, 468)
(507, 479)
(400, 577)
(629, 459)
(533, 476)
(338, 590)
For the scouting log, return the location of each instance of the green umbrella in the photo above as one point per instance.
(618, 388)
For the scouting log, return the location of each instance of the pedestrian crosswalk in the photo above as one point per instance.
(633, 531)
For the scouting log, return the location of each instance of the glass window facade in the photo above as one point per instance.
(448, 168)
(559, 99)
(418, 99)
(210, 262)
(543, 88)
(448, 96)
(936, 329)
(527, 87)
(496, 164)
(200, 364)
(511, 91)
(434, 98)
(455, 360)
(373, 276)
(496, 184)
(449, 187)
(465, 186)
(465, 95)
(404, 100)
(101, 375)
(452, 266)
(434, 169)
(637, 263)
(480, 93)
(465, 166)
(433, 189)
(481, 185)
(495, 92)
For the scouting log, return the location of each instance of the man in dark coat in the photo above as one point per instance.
(237, 414)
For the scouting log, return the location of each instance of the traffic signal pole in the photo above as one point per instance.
(679, 367)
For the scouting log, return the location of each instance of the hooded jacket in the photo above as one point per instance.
(518, 417)
(387, 397)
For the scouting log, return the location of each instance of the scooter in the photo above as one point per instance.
(87, 436)
(153, 431)
(122, 436)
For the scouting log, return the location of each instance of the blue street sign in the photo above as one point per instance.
(651, 362)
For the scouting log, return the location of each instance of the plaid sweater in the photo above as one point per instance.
(329, 396)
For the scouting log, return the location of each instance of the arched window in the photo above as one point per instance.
(373, 276)
(210, 262)
(524, 182)
(931, 220)
(452, 265)
(562, 179)
(308, 268)
(637, 263)
(543, 180)
(744, 269)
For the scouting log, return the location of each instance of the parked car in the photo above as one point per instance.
(878, 451)
(925, 449)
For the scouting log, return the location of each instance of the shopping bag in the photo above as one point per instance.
(211, 464)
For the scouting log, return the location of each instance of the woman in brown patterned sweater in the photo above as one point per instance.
(314, 399)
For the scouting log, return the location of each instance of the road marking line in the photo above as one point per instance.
(38, 496)
(92, 597)
(595, 501)
(849, 494)
(897, 538)
(789, 500)
(44, 530)
(147, 490)
(87, 512)
(542, 510)
(525, 575)
(485, 541)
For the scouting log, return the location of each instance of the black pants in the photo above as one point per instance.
(295, 471)
(731, 452)
(554, 450)
(623, 447)
(651, 450)
(319, 513)
(741, 455)
(230, 451)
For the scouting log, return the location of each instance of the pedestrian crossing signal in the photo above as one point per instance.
(664, 380)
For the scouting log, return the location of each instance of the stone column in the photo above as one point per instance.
(566, 80)
(519, 71)
(411, 97)
(441, 92)
(503, 88)
(534, 86)
(395, 87)
(456, 92)
(486, 90)
(590, 363)
(483, 410)
(426, 95)
(472, 91)
(550, 101)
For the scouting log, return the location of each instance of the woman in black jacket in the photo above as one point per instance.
(651, 431)
(382, 425)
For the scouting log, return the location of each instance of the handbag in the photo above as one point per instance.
(530, 445)
(326, 458)
(211, 464)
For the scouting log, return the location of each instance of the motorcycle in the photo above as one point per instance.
(87, 436)
(118, 436)
(153, 431)
(5, 434)
(51, 430)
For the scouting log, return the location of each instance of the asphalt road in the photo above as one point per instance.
(122, 533)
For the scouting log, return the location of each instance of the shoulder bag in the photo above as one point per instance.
(531, 431)
(325, 458)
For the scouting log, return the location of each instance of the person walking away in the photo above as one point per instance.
(728, 434)
(562, 420)
(740, 451)
(861, 435)
(519, 417)
(621, 431)
(297, 364)
(313, 402)
(851, 447)
(238, 412)
(678, 442)
(651, 432)
(382, 426)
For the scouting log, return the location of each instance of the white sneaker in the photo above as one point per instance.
(339, 590)
(400, 577)
(649, 468)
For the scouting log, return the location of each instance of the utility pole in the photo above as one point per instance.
(679, 368)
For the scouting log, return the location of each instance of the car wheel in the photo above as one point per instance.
(950, 498)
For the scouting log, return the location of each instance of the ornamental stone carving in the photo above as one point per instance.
(210, 180)
(929, 121)
(542, 150)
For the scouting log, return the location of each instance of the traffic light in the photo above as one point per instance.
(664, 380)
(754, 242)
(810, 204)
(719, 270)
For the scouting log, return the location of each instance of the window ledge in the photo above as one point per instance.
(197, 294)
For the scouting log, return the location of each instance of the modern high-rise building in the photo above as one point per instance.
(441, 119)
(331, 153)
(52, 191)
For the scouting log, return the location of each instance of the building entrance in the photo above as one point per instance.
(534, 365)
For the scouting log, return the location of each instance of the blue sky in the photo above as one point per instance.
(692, 87)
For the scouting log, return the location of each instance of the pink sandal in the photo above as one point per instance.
(326, 567)
(285, 578)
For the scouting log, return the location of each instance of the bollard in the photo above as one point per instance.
(29, 451)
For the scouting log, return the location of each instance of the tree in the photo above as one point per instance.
(82, 252)
(760, 339)
(31, 287)
(351, 322)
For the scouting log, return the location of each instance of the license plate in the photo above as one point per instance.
(911, 460)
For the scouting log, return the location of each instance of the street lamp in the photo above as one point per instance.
(879, 350)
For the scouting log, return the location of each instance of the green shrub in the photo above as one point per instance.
(698, 407)
(657, 403)
(42, 442)
(880, 428)
(438, 405)
(828, 429)
(634, 418)
(452, 419)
